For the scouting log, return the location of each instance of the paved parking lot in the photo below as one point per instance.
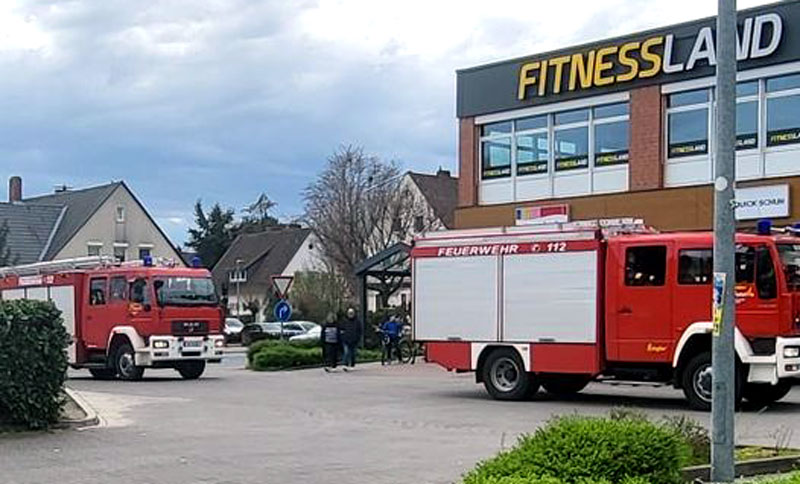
(375, 425)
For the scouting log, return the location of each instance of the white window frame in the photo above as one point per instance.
(238, 275)
(708, 105)
(550, 111)
(760, 75)
(119, 214)
(92, 244)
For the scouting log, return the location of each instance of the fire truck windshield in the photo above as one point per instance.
(790, 257)
(185, 291)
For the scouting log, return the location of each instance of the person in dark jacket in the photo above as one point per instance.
(330, 338)
(351, 334)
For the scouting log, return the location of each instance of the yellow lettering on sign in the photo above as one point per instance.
(633, 66)
(600, 65)
(652, 348)
(558, 63)
(580, 69)
(525, 79)
(543, 78)
(651, 57)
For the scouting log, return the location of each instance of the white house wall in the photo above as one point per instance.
(140, 231)
(307, 258)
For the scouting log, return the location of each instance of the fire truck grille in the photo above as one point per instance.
(189, 327)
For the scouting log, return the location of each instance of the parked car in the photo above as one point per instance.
(312, 334)
(233, 330)
(256, 331)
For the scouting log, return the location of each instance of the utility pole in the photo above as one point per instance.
(238, 288)
(723, 359)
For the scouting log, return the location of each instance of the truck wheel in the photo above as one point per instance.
(505, 377)
(191, 370)
(103, 373)
(762, 394)
(125, 363)
(564, 385)
(697, 383)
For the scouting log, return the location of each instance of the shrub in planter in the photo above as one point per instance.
(33, 362)
(285, 355)
(578, 449)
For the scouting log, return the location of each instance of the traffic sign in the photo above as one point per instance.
(283, 311)
(282, 284)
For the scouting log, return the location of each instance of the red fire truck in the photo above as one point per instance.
(563, 305)
(125, 317)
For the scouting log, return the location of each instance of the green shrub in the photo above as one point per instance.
(286, 356)
(695, 435)
(577, 449)
(268, 355)
(33, 362)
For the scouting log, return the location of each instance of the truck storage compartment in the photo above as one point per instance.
(455, 298)
(538, 288)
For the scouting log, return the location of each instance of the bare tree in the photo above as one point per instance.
(359, 207)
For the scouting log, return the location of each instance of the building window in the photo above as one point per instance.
(119, 254)
(611, 134)
(532, 145)
(537, 150)
(144, 252)
(747, 115)
(572, 140)
(496, 150)
(783, 106)
(93, 249)
(688, 127)
(120, 213)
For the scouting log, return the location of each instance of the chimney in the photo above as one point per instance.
(442, 172)
(15, 189)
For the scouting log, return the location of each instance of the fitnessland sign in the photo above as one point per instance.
(766, 35)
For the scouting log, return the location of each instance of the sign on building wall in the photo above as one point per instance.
(543, 214)
(766, 36)
(770, 201)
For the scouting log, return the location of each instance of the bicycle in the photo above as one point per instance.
(405, 348)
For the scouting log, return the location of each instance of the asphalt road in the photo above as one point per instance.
(375, 425)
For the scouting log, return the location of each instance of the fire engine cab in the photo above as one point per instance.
(125, 317)
(562, 305)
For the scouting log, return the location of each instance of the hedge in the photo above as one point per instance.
(33, 363)
(578, 449)
(267, 355)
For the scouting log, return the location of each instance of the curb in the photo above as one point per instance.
(750, 468)
(91, 419)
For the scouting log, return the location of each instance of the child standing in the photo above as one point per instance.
(330, 339)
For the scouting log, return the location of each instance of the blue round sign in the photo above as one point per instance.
(283, 311)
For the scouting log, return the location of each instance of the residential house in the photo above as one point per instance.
(101, 220)
(434, 201)
(244, 272)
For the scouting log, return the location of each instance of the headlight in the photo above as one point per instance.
(160, 344)
(219, 343)
(791, 352)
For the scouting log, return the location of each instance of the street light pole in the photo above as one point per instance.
(723, 358)
(238, 288)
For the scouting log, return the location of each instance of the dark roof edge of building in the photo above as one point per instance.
(153, 221)
(52, 235)
(583, 45)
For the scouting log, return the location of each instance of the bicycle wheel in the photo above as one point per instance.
(406, 350)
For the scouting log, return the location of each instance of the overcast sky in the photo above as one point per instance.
(223, 99)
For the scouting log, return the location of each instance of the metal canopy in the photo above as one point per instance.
(393, 261)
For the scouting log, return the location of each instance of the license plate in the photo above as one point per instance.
(193, 344)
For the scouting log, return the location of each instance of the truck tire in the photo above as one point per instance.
(103, 373)
(762, 394)
(191, 370)
(697, 384)
(564, 385)
(125, 363)
(505, 378)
